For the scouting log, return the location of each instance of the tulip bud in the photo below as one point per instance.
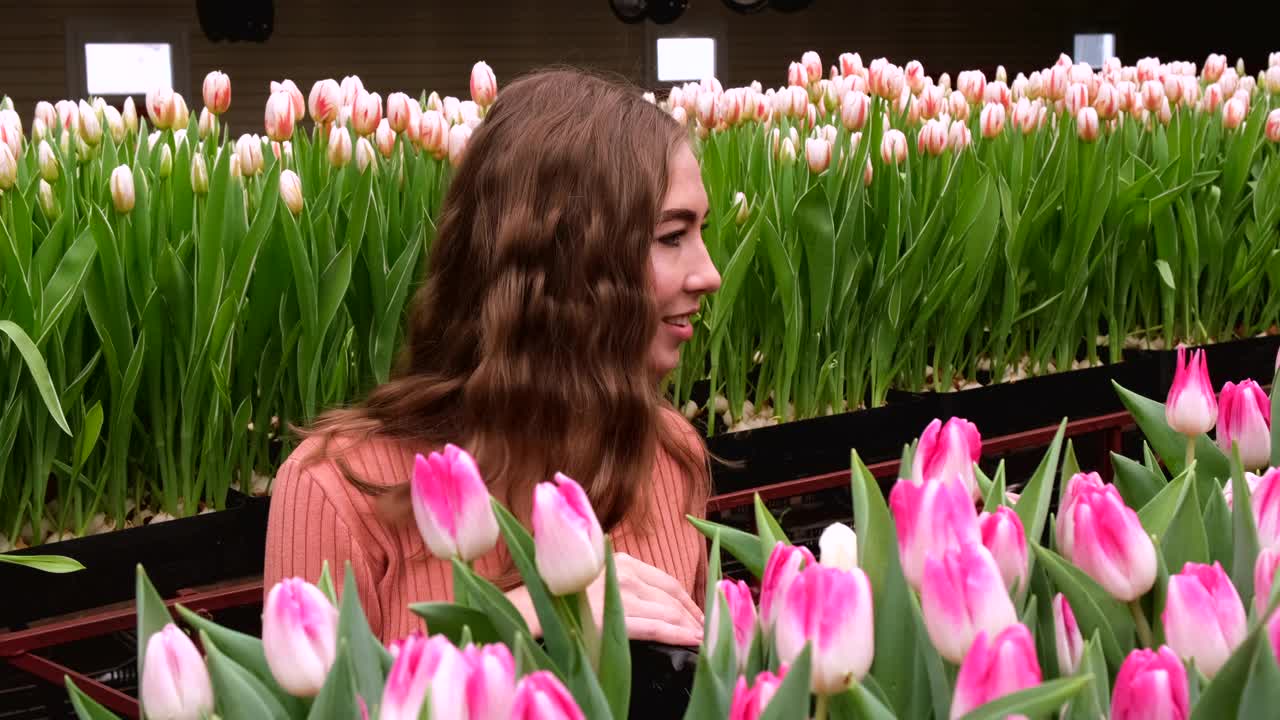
(1104, 538)
(780, 571)
(428, 677)
(1152, 95)
(181, 116)
(817, 152)
(48, 201)
(992, 120)
(1211, 99)
(129, 114)
(249, 151)
(291, 191)
(1151, 685)
(451, 505)
(199, 174)
(677, 113)
(838, 547)
(1233, 112)
(324, 101)
(385, 138)
(484, 84)
(788, 152)
(1191, 408)
(893, 147)
(459, 136)
(913, 74)
(930, 518)
(290, 88)
(175, 684)
(961, 595)
(433, 133)
(205, 126)
(932, 138)
(351, 88)
(115, 124)
(1264, 574)
(8, 168)
(812, 65)
(339, 147)
(998, 664)
(365, 155)
(166, 162)
(1003, 536)
(568, 541)
(366, 113)
(121, 189)
(1271, 79)
(279, 119)
(1204, 619)
(48, 162)
(749, 703)
(1245, 418)
(829, 609)
(1214, 65)
(1066, 636)
(1266, 507)
(233, 167)
(997, 92)
(299, 636)
(742, 619)
(1087, 124)
(217, 92)
(854, 110)
(959, 137)
(742, 208)
(540, 696)
(90, 126)
(160, 107)
(850, 64)
(398, 112)
(1273, 126)
(947, 453)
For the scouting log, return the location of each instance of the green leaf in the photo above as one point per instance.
(1157, 514)
(1137, 484)
(39, 371)
(745, 547)
(1217, 528)
(1033, 504)
(240, 695)
(363, 649)
(86, 707)
(791, 701)
(153, 616)
(615, 648)
(482, 595)
(450, 619)
(708, 698)
(1185, 540)
(520, 544)
(1262, 690)
(1166, 274)
(1095, 702)
(585, 686)
(1041, 700)
(1223, 696)
(1094, 609)
(44, 563)
(767, 526)
(337, 699)
(859, 703)
(325, 583)
(1244, 532)
(1170, 445)
(246, 652)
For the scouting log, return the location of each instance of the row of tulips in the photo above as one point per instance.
(155, 361)
(1155, 600)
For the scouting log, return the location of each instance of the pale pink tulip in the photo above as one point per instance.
(459, 136)
(932, 138)
(1266, 508)
(962, 594)
(947, 453)
(992, 120)
(742, 619)
(385, 138)
(931, 102)
(46, 113)
(749, 703)
(366, 113)
(817, 152)
(1244, 417)
(1087, 124)
(299, 636)
(1233, 112)
(893, 147)
(339, 146)
(1204, 619)
(122, 195)
(1104, 538)
(1272, 78)
(280, 118)
(997, 92)
(829, 609)
(1004, 538)
(568, 541)
(433, 134)
(217, 92)
(1152, 93)
(175, 684)
(1067, 640)
(850, 64)
(1151, 685)
(1212, 98)
(484, 84)
(1214, 65)
(1264, 575)
(931, 518)
(249, 150)
(913, 74)
(1273, 125)
(1191, 407)
(812, 65)
(290, 88)
(324, 101)
(797, 76)
(398, 111)
(1229, 81)
(160, 108)
(291, 191)
(1107, 102)
(351, 88)
(973, 84)
(838, 547)
(854, 110)
(541, 696)
(781, 569)
(997, 664)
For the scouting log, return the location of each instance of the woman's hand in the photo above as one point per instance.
(654, 604)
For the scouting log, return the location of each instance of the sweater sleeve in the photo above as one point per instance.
(305, 528)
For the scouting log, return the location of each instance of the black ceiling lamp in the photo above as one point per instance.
(664, 12)
(790, 6)
(629, 11)
(746, 7)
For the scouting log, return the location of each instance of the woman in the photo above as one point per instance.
(566, 270)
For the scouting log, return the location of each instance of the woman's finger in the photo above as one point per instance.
(643, 628)
(669, 585)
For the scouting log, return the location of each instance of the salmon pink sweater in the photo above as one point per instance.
(317, 515)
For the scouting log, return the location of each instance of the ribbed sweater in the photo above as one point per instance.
(317, 515)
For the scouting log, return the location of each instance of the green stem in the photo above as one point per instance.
(1191, 450)
(1144, 628)
(590, 633)
(820, 713)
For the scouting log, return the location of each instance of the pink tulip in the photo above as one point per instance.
(160, 108)
(1214, 65)
(1004, 538)
(540, 696)
(1066, 636)
(451, 505)
(385, 138)
(1233, 112)
(280, 118)
(850, 64)
(299, 636)
(484, 84)
(947, 453)
(992, 120)
(708, 110)
(1107, 102)
(399, 111)
(1229, 81)
(295, 96)
(830, 610)
(812, 65)
(932, 138)
(1204, 619)
(122, 191)
(973, 84)
(339, 146)
(818, 153)
(1191, 408)
(8, 168)
(893, 147)
(997, 92)
(351, 88)
(568, 541)
(433, 133)
(959, 106)
(1211, 99)
(780, 571)
(1273, 122)
(175, 684)
(1266, 508)
(1264, 574)
(930, 102)
(913, 74)
(854, 110)
(1152, 93)
(796, 102)
(459, 136)
(742, 617)
(930, 518)
(366, 113)
(1151, 685)
(1245, 418)
(963, 595)
(1272, 79)
(291, 191)
(426, 670)
(324, 101)
(1077, 97)
(1087, 124)
(797, 76)
(217, 92)
(998, 664)
(1104, 538)
(491, 683)
(749, 703)
(959, 137)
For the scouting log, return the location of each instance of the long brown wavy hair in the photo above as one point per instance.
(527, 343)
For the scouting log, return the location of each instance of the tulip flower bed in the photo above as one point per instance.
(1153, 598)
(173, 301)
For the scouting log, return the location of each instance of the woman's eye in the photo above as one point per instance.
(671, 239)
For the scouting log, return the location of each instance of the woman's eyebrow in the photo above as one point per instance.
(683, 214)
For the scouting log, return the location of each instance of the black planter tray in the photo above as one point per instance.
(1234, 360)
(186, 552)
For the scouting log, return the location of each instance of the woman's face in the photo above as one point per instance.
(682, 270)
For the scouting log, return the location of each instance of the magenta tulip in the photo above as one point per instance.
(963, 595)
(1066, 636)
(947, 453)
(996, 665)
(742, 617)
(1204, 619)
(175, 684)
(1103, 537)
(567, 539)
(1245, 419)
(781, 569)
(299, 636)
(930, 519)
(1191, 408)
(749, 702)
(1264, 575)
(451, 505)
(830, 610)
(491, 683)
(1151, 685)
(540, 696)
(425, 670)
(1003, 536)
(1265, 497)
